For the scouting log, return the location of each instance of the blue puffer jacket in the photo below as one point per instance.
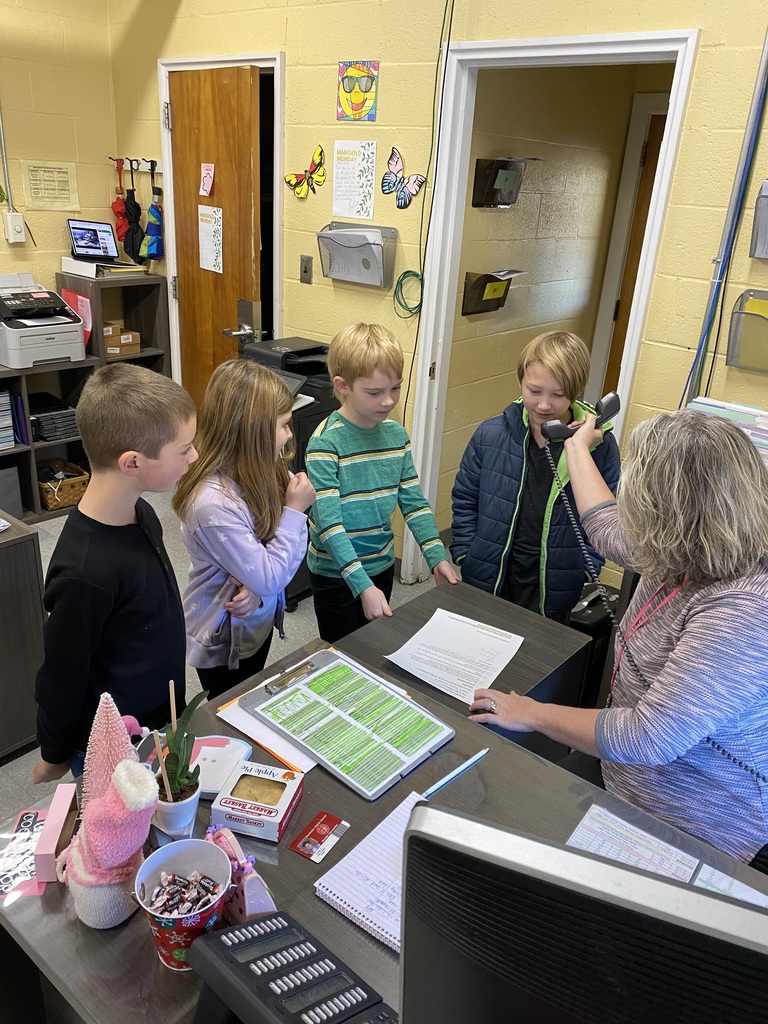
(486, 501)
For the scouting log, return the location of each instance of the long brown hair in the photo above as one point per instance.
(236, 439)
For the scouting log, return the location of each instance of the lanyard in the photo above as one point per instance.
(637, 623)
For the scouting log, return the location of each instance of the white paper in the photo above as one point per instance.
(267, 738)
(602, 833)
(457, 655)
(209, 233)
(50, 185)
(354, 179)
(44, 321)
(506, 275)
(355, 255)
(712, 880)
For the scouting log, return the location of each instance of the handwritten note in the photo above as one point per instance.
(366, 885)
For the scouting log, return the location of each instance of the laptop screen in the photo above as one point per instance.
(93, 239)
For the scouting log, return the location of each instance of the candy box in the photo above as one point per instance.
(258, 800)
(57, 831)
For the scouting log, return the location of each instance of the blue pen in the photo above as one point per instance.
(455, 773)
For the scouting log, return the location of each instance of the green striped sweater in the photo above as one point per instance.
(360, 475)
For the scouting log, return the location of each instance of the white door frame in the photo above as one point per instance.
(645, 105)
(462, 62)
(275, 62)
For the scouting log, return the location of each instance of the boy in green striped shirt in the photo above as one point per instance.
(360, 464)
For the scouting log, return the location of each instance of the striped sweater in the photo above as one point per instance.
(360, 475)
(690, 746)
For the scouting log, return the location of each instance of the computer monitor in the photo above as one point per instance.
(93, 240)
(500, 927)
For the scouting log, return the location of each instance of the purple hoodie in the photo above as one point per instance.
(219, 536)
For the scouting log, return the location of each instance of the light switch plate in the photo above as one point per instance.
(305, 269)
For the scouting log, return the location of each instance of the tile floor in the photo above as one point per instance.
(16, 789)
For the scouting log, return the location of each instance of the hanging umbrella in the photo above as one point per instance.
(152, 246)
(118, 206)
(135, 234)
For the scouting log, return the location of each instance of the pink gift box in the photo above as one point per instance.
(57, 831)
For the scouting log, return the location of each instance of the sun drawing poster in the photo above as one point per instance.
(357, 90)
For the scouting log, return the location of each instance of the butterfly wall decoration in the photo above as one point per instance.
(302, 184)
(394, 181)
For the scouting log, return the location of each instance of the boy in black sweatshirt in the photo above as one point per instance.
(115, 621)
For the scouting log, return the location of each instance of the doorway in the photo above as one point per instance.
(641, 157)
(262, 248)
(462, 63)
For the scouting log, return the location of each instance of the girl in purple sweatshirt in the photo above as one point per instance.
(243, 523)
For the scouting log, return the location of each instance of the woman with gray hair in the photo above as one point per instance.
(685, 732)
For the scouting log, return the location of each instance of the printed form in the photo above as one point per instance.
(457, 655)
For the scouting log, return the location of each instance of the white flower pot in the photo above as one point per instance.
(178, 818)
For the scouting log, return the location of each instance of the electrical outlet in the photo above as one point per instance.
(13, 225)
(305, 269)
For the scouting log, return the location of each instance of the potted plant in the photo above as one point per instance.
(180, 788)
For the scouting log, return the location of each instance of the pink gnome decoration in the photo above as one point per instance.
(119, 799)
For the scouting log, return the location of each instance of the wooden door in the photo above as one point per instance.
(214, 120)
(650, 159)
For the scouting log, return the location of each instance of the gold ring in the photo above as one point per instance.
(492, 707)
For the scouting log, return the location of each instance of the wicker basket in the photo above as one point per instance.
(62, 493)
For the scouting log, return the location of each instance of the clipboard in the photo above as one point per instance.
(360, 727)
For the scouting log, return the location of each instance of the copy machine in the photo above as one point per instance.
(36, 325)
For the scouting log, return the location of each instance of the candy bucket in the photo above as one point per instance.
(175, 933)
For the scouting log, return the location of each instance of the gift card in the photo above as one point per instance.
(320, 836)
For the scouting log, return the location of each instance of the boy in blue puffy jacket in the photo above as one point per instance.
(511, 532)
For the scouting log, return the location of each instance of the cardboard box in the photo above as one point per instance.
(258, 800)
(120, 341)
(57, 831)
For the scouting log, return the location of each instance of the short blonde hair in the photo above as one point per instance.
(360, 349)
(126, 408)
(565, 356)
(692, 499)
(236, 436)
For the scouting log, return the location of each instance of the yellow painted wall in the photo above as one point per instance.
(78, 79)
(57, 104)
(574, 120)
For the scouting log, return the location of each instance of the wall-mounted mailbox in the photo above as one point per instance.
(748, 332)
(485, 293)
(361, 253)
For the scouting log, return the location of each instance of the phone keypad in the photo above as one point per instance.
(339, 1003)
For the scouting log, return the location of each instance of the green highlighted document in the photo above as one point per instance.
(360, 727)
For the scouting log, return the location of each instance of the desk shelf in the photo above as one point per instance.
(141, 303)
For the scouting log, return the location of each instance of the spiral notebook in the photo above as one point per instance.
(366, 885)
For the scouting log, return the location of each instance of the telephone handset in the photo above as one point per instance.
(608, 406)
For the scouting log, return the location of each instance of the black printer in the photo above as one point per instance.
(296, 355)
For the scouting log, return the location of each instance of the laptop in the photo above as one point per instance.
(93, 240)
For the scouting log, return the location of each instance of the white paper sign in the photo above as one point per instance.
(457, 655)
(209, 232)
(354, 179)
(50, 185)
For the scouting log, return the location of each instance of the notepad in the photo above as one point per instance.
(366, 885)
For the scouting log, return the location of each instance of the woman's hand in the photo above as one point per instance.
(507, 710)
(586, 435)
(244, 603)
(299, 494)
(573, 727)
